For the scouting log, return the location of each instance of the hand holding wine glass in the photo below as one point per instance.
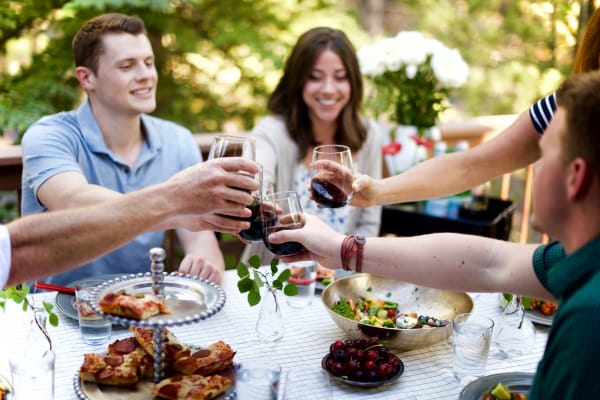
(282, 211)
(332, 175)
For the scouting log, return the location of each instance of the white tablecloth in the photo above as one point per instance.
(308, 334)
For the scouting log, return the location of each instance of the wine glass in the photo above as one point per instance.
(332, 175)
(255, 232)
(232, 146)
(280, 211)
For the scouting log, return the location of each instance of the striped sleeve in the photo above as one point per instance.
(542, 111)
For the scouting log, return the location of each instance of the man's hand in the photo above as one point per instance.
(205, 194)
(198, 266)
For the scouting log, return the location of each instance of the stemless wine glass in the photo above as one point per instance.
(281, 211)
(232, 146)
(332, 175)
(255, 232)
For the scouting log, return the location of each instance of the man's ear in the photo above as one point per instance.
(578, 178)
(86, 77)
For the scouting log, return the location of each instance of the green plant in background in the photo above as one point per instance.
(253, 278)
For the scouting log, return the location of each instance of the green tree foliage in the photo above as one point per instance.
(214, 57)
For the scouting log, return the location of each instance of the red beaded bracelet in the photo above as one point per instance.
(352, 245)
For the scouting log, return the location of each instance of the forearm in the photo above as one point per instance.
(454, 262)
(45, 244)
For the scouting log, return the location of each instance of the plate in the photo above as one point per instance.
(534, 315)
(64, 302)
(191, 299)
(539, 318)
(339, 273)
(6, 386)
(141, 391)
(366, 384)
(515, 381)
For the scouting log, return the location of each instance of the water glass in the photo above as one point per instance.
(304, 276)
(94, 329)
(258, 379)
(281, 211)
(232, 146)
(332, 175)
(471, 346)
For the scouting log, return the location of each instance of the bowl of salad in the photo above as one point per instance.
(402, 315)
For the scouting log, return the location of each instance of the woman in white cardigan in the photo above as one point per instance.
(317, 101)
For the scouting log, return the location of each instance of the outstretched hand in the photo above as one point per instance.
(321, 243)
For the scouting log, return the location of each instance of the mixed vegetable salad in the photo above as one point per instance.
(383, 313)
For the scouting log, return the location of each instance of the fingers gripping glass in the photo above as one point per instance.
(282, 211)
(332, 175)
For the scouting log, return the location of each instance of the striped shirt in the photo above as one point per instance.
(542, 111)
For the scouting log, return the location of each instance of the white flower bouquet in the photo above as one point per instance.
(412, 76)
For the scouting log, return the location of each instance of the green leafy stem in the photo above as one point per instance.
(253, 278)
(20, 295)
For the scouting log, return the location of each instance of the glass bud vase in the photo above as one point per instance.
(32, 368)
(269, 326)
(515, 333)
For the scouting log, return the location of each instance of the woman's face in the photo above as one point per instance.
(327, 89)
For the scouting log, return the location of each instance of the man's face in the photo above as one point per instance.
(550, 203)
(126, 79)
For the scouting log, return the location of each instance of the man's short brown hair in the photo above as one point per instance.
(87, 43)
(579, 96)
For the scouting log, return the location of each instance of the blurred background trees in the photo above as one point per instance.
(219, 59)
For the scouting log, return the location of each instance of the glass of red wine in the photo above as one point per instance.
(332, 175)
(232, 146)
(255, 232)
(281, 211)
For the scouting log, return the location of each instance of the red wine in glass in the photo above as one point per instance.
(256, 231)
(327, 194)
(282, 249)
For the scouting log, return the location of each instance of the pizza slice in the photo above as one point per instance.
(111, 370)
(217, 357)
(136, 306)
(130, 345)
(191, 387)
(173, 348)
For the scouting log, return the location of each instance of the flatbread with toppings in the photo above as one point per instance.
(110, 369)
(217, 357)
(191, 387)
(137, 306)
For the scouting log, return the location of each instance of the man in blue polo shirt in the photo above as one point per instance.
(567, 207)
(110, 146)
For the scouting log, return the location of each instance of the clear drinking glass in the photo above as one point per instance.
(332, 175)
(471, 346)
(281, 211)
(232, 146)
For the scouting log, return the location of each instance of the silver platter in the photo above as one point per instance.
(141, 391)
(191, 299)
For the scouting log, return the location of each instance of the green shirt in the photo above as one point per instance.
(570, 367)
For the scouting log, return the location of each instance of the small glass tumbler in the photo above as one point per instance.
(94, 329)
(257, 379)
(471, 346)
(304, 276)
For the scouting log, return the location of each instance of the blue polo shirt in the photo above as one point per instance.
(72, 141)
(570, 368)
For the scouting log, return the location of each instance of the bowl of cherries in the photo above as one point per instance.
(362, 362)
